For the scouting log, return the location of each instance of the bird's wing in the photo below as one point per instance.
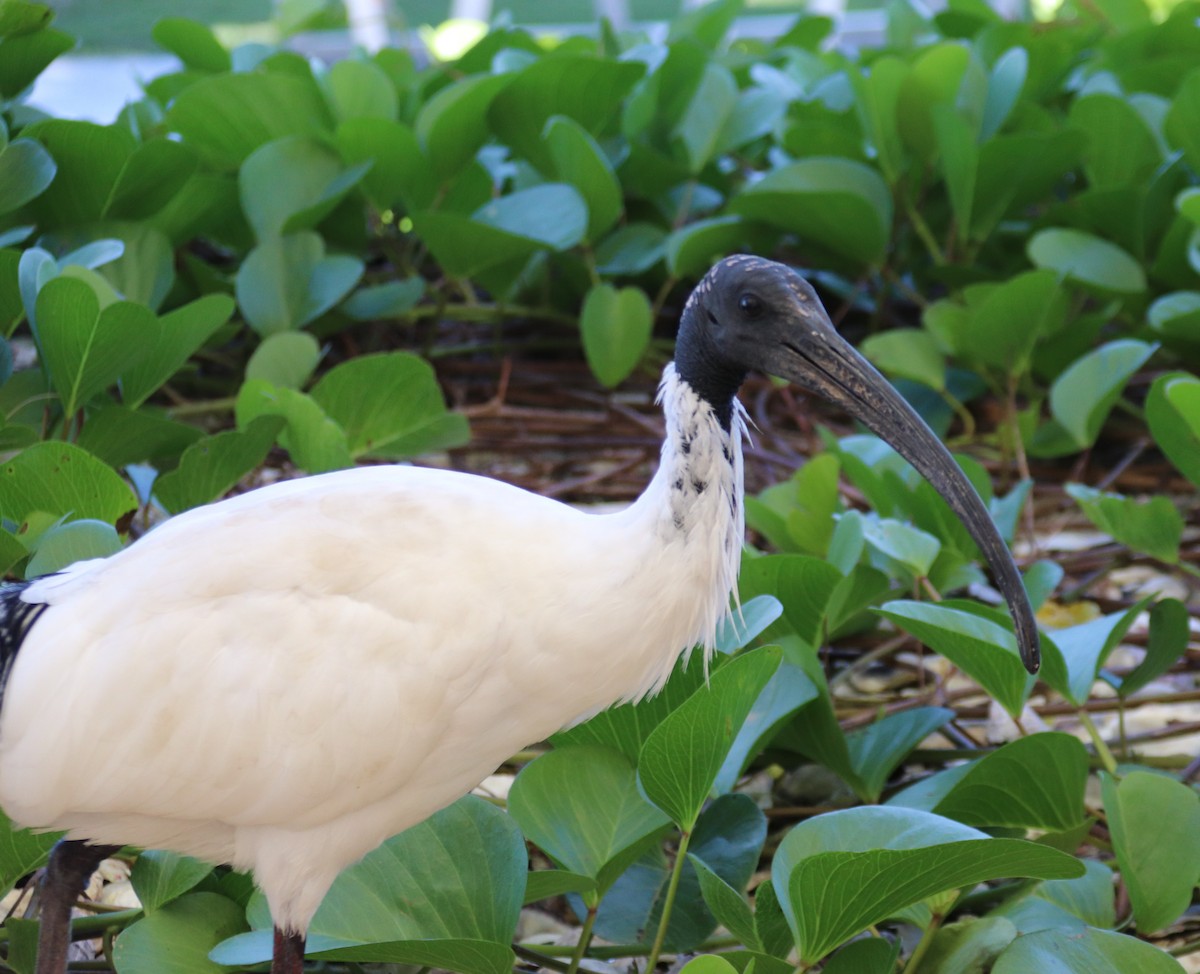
(287, 657)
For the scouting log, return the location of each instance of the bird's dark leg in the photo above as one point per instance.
(70, 867)
(289, 953)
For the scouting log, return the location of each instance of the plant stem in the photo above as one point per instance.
(923, 231)
(1102, 751)
(915, 958)
(668, 902)
(585, 938)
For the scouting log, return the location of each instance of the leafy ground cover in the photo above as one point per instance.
(195, 299)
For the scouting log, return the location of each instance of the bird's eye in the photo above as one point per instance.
(750, 305)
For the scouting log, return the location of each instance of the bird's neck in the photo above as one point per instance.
(694, 503)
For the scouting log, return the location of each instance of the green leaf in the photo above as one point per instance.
(26, 169)
(1122, 151)
(936, 79)
(878, 92)
(286, 282)
(227, 116)
(381, 301)
(361, 89)
(1085, 393)
(445, 893)
(180, 333)
(1151, 525)
(62, 480)
(728, 838)
(154, 174)
(583, 88)
(210, 467)
(580, 162)
(458, 875)
(405, 414)
(1085, 952)
(1004, 89)
(177, 938)
(1167, 643)
(615, 326)
(159, 877)
(1084, 648)
(901, 543)
(452, 124)
(805, 585)
(708, 111)
(65, 544)
(399, 173)
(89, 160)
(787, 691)
(1090, 897)
(287, 359)
(292, 183)
(85, 348)
(1087, 259)
(630, 249)
(553, 214)
(727, 904)
(907, 353)
(315, 441)
(691, 249)
(876, 750)
(1173, 414)
(120, 437)
(744, 623)
(680, 759)
(581, 806)
(984, 650)
(838, 204)
(1034, 782)
(959, 156)
(845, 871)
(21, 851)
(193, 43)
(1002, 328)
(1143, 810)
(770, 923)
(542, 884)
(709, 964)
(145, 271)
(870, 955)
(1180, 125)
(24, 56)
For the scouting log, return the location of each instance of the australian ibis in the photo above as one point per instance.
(311, 667)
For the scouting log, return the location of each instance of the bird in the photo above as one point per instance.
(318, 664)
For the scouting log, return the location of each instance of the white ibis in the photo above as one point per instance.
(317, 665)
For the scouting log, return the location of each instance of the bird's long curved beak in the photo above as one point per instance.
(813, 355)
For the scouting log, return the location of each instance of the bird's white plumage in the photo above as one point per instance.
(284, 679)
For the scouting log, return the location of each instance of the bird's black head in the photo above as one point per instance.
(750, 314)
(744, 309)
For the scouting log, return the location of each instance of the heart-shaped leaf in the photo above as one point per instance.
(159, 877)
(211, 466)
(582, 807)
(1033, 782)
(615, 325)
(983, 649)
(26, 169)
(60, 479)
(179, 936)
(1142, 810)
(847, 870)
(84, 347)
(1173, 413)
(405, 414)
(681, 758)
(286, 282)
